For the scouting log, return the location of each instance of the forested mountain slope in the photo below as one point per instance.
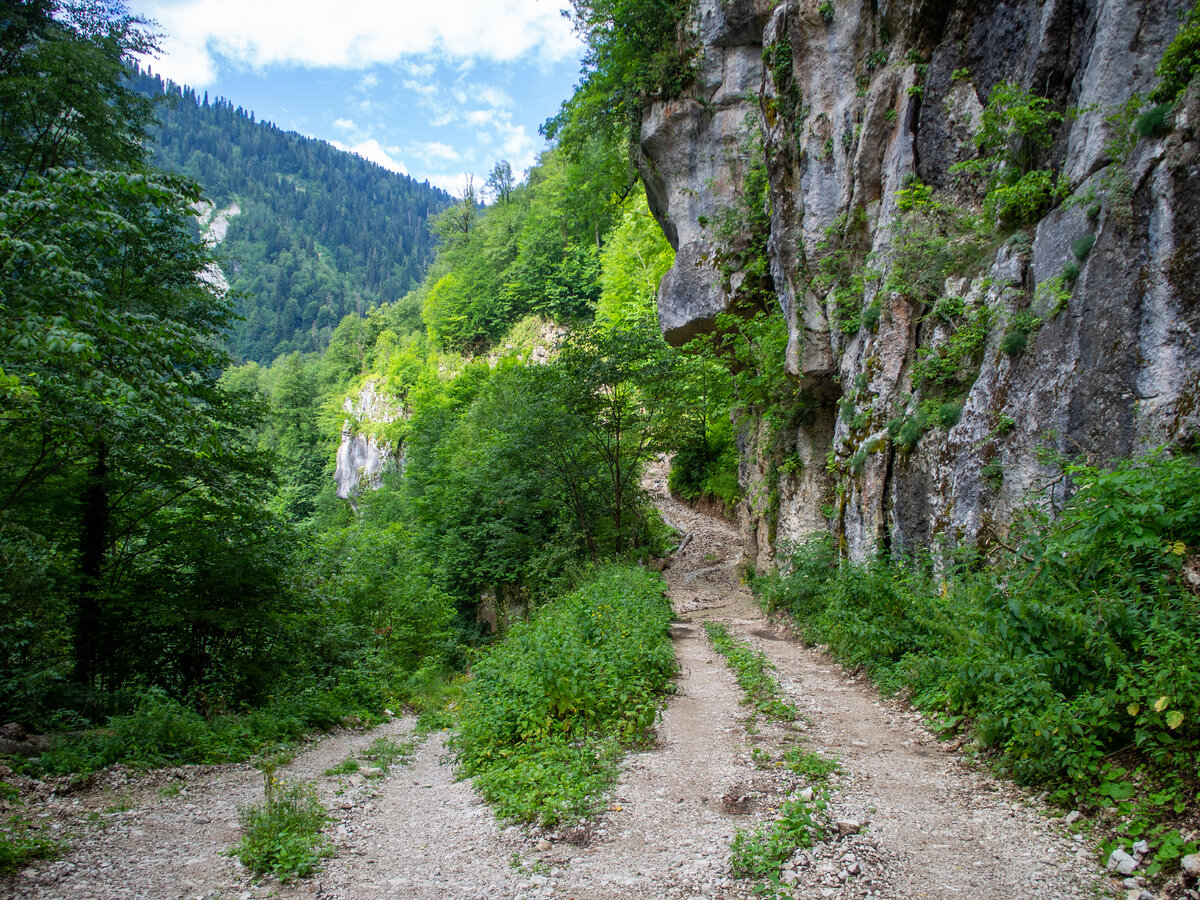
(320, 232)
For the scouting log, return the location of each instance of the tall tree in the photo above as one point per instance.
(120, 452)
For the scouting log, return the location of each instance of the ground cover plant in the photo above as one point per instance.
(550, 705)
(1072, 656)
(758, 853)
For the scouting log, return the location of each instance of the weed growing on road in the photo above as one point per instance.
(347, 766)
(385, 753)
(809, 765)
(758, 853)
(282, 835)
(753, 672)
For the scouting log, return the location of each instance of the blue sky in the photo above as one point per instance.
(438, 90)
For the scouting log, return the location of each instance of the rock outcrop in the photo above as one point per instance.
(1084, 318)
(363, 457)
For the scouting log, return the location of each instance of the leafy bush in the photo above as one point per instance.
(1016, 127)
(548, 706)
(1024, 200)
(950, 365)
(161, 731)
(282, 835)
(1181, 61)
(707, 468)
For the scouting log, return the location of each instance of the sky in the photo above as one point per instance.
(436, 89)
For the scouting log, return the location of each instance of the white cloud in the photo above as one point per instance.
(436, 150)
(424, 88)
(368, 81)
(374, 151)
(345, 125)
(481, 117)
(351, 33)
(452, 184)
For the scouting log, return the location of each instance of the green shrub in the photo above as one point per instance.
(759, 853)
(1016, 128)
(1081, 247)
(1155, 122)
(707, 468)
(826, 10)
(951, 365)
(282, 835)
(549, 705)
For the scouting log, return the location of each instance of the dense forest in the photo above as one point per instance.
(180, 583)
(319, 233)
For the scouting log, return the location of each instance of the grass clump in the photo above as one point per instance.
(347, 766)
(550, 706)
(282, 835)
(753, 672)
(1082, 246)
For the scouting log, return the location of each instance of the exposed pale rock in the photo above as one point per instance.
(362, 458)
(1121, 862)
(1111, 371)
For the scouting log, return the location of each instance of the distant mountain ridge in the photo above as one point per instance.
(321, 232)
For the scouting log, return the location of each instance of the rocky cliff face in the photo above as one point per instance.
(362, 457)
(1071, 336)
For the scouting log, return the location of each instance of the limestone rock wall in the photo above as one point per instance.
(848, 109)
(362, 458)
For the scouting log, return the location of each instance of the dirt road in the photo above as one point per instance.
(929, 825)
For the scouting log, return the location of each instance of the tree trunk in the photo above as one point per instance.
(93, 544)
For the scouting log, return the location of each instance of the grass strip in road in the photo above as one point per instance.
(754, 674)
(550, 706)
